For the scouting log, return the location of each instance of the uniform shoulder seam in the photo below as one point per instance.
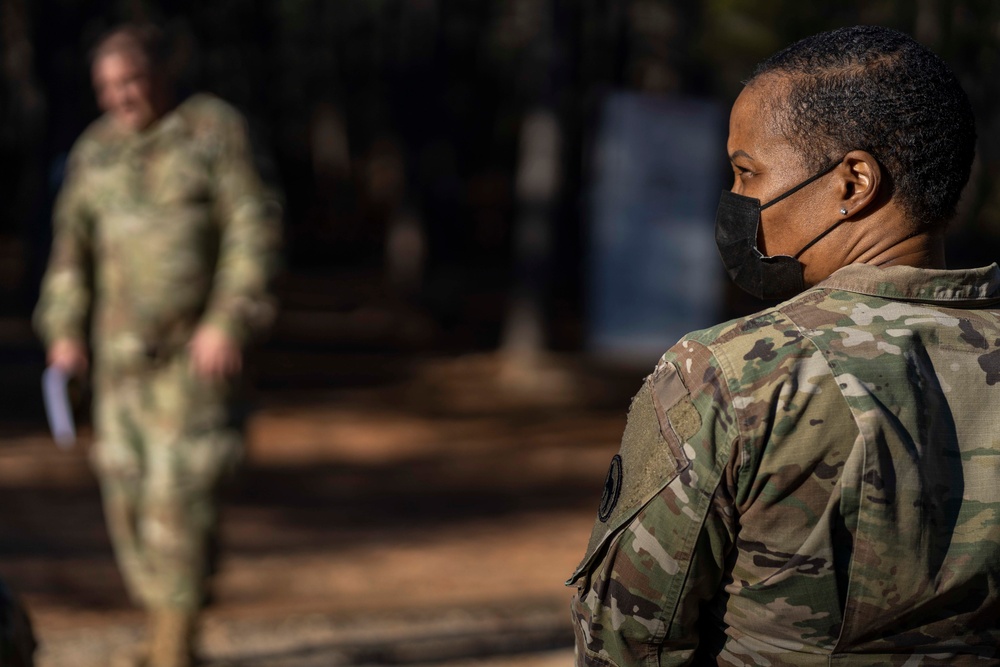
(726, 371)
(206, 103)
(96, 133)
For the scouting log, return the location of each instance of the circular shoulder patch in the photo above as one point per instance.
(612, 489)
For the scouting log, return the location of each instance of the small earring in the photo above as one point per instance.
(843, 211)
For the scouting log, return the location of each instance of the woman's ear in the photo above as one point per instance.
(861, 182)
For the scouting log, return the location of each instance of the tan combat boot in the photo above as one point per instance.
(172, 639)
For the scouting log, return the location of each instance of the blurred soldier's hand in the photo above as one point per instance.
(214, 355)
(69, 356)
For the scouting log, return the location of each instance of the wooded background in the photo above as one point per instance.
(439, 148)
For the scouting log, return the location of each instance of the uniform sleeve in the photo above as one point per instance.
(67, 287)
(241, 302)
(666, 521)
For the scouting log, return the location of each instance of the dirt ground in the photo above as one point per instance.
(426, 521)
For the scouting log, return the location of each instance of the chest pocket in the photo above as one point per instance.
(651, 456)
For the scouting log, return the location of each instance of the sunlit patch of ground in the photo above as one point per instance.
(366, 529)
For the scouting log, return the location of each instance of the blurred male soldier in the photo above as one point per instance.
(165, 241)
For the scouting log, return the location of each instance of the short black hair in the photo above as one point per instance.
(875, 89)
(137, 38)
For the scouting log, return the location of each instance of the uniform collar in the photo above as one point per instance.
(168, 125)
(908, 283)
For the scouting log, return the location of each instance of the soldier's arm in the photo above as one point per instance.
(666, 521)
(63, 308)
(241, 303)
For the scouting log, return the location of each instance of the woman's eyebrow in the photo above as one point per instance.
(739, 153)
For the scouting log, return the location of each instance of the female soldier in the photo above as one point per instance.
(818, 483)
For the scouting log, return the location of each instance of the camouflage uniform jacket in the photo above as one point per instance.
(157, 232)
(818, 484)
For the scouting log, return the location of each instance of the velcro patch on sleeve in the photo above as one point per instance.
(684, 418)
(679, 419)
(650, 458)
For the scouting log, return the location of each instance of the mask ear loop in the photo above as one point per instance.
(789, 193)
(826, 170)
(820, 237)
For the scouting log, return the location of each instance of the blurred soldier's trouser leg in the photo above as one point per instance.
(165, 441)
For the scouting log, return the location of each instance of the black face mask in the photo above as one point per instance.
(736, 224)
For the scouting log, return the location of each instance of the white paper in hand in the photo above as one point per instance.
(57, 406)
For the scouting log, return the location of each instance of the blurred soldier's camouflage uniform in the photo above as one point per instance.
(17, 642)
(839, 456)
(157, 233)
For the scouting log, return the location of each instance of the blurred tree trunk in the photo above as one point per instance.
(964, 33)
(537, 186)
(927, 26)
(650, 41)
(22, 126)
(539, 174)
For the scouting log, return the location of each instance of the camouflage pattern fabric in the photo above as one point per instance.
(816, 484)
(157, 233)
(17, 641)
(167, 442)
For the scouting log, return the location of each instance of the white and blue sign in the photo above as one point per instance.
(655, 273)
